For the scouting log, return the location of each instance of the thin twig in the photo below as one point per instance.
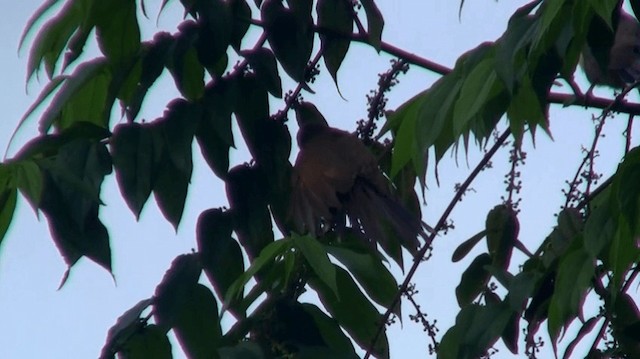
(443, 219)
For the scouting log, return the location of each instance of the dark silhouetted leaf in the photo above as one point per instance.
(474, 280)
(149, 343)
(185, 67)
(220, 254)
(331, 333)
(215, 30)
(375, 23)
(8, 198)
(28, 179)
(265, 67)
(126, 326)
(465, 247)
(197, 325)
(335, 16)
(355, 313)
(71, 186)
(214, 133)
(172, 294)
(502, 228)
(290, 37)
(247, 198)
(132, 151)
(241, 13)
(585, 329)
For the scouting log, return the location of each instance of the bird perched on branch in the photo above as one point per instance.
(612, 58)
(336, 177)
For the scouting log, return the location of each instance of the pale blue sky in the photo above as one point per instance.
(40, 322)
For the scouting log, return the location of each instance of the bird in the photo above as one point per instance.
(336, 177)
(619, 50)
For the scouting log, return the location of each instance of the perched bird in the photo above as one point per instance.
(336, 177)
(613, 59)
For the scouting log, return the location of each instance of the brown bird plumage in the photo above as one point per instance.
(336, 176)
(623, 67)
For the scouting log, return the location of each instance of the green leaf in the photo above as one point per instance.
(264, 259)
(8, 199)
(367, 268)
(355, 313)
(28, 179)
(84, 96)
(502, 228)
(214, 133)
(474, 280)
(375, 23)
(524, 107)
(172, 294)
(290, 37)
(331, 333)
(465, 247)
(132, 151)
(335, 16)
(263, 63)
(117, 29)
(316, 256)
(220, 254)
(126, 326)
(52, 37)
(585, 329)
(197, 325)
(148, 343)
(35, 17)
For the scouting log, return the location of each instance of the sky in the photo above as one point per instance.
(39, 321)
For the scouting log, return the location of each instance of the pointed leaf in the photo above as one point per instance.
(375, 23)
(8, 199)
(331, 332)
(355, 313)
(220, 254)
(197, 325)
(316, 256)
(263, 63)
(335, 16)
(465, 247)
(502, 228)
(241, 11)
(28, 178)
(474, 280)
(148, 343)
(126, 326)
(117, 29)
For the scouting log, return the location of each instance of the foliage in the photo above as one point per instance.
(591, 252)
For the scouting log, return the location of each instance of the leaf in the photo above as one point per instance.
(173, 136)
(240, 12)
(35, 17)
(149, 343)
(335, 16)
(28, 179)
(126, 326)
(71, 185)
(172, 294)
(243, 350)
(572, 282)
(52, 37)
(355, 313)
(585, 329)
(214, 133)
(216, 28)
(133, 153)
(367, 268)
(316, 256)
(264, 259)
(375, 23)
(83, 96)
(290, 37)
(220, 254)
(247, 199)
(263, 63)
(474, 280)
(524, 107)
(8, 199)
(197, 325)
(465, 247)
(502, 228)
(331, 332)
(184, 64)
(117, 29)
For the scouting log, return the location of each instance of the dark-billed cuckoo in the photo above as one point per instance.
(620, 51)
(337, 177)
